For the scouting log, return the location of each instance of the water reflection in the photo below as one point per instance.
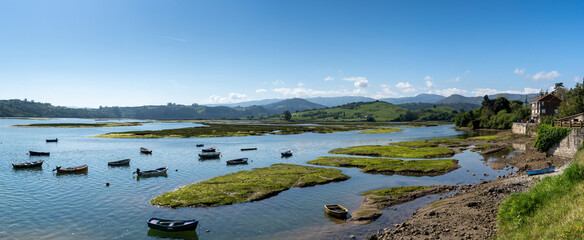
(190, 235)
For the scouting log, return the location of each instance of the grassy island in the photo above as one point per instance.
(429, 143)
(381, 130)
(396, 151)
(232, 130)
(391, 166)
(83, 125)
(247, 186)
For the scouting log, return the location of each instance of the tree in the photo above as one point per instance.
(574, 103)
(287, 115)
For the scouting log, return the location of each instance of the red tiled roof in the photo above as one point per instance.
(546, 98)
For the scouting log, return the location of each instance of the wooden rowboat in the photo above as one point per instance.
(28, 164)
(172, 225)
(336, 210)
(541, 171)
(119, 162)
(209, 155)
(211, 149)
(78, 169)
(35, 153)
(52, 140)
(155, 172)
(249, 149)
(145, 150)
(237, 161)
(287, 153)
(200, 145)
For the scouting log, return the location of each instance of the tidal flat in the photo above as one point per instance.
(395, 151)
(232, 130)
(82, 125)
(389, 166)
(247, 186)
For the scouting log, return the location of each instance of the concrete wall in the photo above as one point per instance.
(569, 145)
(524, 129)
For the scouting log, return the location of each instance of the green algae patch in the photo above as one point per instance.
(391, 166)
(429, 143)
(395, 191)
(247, 186)
(381, 130)
(83, 125)
(233, 130)
(395, 151)
(488, 138)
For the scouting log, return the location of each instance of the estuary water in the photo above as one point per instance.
(39, 204)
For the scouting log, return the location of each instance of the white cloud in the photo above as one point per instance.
(278, 82)
(359, 82)
(303, 92)
(385, 92)
(300, 84)
(519, 71)
(449, 91)
(428, 78)
(261, 90)
(456, 79)
(329, 78)
(405, 87)
(489, 91)
(544, 76)
(232, 98)
(429, 84)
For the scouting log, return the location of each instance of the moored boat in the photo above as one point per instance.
(210, 155)
(287, 153)
(336, 210)
(145, 150)
(211, 149)
(36, 153)
(28, 164)
(540, 171)
(155, 172)
(249, 149)
(119, 162)
(237, 161)
(52, 140)
(78, 169)
(172, 225)
(200, 145)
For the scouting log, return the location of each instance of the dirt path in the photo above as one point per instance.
(471, 212)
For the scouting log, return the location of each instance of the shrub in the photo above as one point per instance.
(547, 136)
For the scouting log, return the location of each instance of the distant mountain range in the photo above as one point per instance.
(252, 109)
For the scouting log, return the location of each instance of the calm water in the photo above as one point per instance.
(38, 204)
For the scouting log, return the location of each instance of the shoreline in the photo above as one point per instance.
(471, 212)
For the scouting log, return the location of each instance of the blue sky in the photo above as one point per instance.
(133, 53)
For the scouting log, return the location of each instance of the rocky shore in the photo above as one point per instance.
(471, 212)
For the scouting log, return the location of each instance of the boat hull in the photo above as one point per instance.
(237, 161)
(151, 173)
(122, 162)
(78, 169)
(173, 225)
(35, 153)
(335, 210)
(209, 155)
(28, 164)
(540, 171)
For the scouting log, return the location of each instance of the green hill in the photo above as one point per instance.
(358, 111)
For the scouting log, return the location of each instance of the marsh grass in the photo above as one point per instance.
(83, 125)
(381, 130)
(486, 138)
(395, 191)
(429, 143)
(396, 151)
(552, 209)
(390, 166)
(247, 186)
(233, 130)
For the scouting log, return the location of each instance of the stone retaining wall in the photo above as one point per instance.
(569, 145)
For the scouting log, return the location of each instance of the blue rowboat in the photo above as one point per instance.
(172, 225)
(540, 171)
